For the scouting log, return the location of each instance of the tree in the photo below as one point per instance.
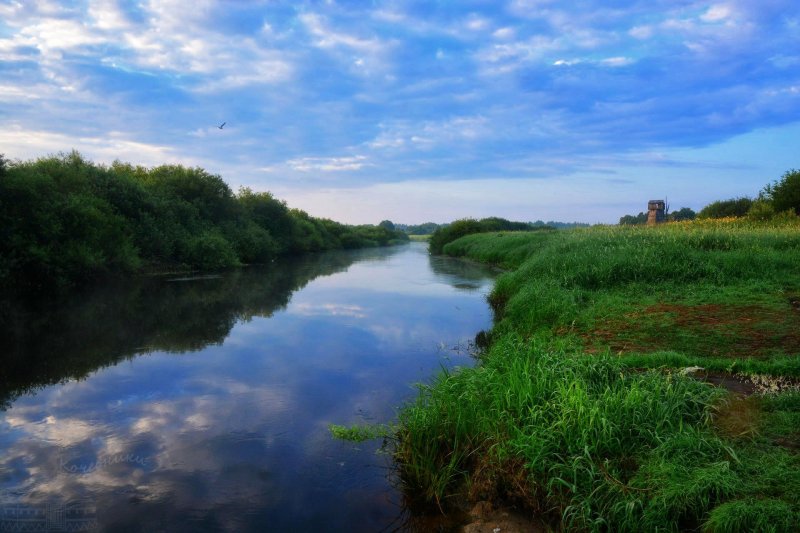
(387, 224)
(206, 192)
(735, 207)
(420, 229)
(761, 209)
(684, 213)
(64, 220)
(269, 213)
(632, 220)
(449, 233)
(784, 193)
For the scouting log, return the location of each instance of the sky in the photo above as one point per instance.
(417, 111)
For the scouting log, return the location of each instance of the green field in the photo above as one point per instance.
(581, 412)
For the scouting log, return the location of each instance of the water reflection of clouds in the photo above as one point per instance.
(381, 281)
(332, 309)
(411, 273)
(161, 443)
(235, 436)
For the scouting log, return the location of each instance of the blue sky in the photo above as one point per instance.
(418, 110)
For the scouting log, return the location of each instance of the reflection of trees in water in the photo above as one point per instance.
(460, 273)
(43, 343)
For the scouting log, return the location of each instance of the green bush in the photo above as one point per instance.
(784, 193)
(735, 207)
(253, 243)
(761, 210)
(633, 220)
(449, 233)
(684, 213)
(453, 231)
(211, 251)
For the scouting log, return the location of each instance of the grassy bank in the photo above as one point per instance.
(579, 410)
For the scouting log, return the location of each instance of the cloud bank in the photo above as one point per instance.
(351, 96)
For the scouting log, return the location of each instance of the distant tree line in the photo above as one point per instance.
(428, 228)
(558, 225)
(419, 229)
(684, 213)
(780, 198)
(64, 220)
(468, 226)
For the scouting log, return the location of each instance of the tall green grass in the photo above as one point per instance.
(586, 432)
(595, 441)
(560, 278)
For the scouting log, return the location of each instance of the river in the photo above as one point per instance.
(202, 403)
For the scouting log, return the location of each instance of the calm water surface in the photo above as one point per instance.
(203, 404)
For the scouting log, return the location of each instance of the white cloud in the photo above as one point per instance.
(476, 23)
(107, 15)
(328, 38)
(10, 10)
(616, 61)
(225, 62)
(327, 164)
(429, 134)
(53, 37)
(528, 7)
(366, 56)
(566, 62)
(504, 34)
(21, 143)
(641, 32)
(14, 93)
(508, 57)
(173, 36)
(388, 139)
(716, 13)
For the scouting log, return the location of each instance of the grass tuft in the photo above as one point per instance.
(751, 514)
(361, 433)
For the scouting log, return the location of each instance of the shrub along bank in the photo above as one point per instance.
(467, 226)
(580, 410)
(64, 220)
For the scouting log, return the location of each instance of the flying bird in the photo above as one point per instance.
(222, 125)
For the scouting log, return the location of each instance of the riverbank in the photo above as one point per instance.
(584, 411)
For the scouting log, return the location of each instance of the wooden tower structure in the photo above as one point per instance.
(656, 212)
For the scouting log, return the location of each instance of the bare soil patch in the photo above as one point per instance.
(710, 329)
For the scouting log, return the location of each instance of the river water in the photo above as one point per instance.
(180, 403)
